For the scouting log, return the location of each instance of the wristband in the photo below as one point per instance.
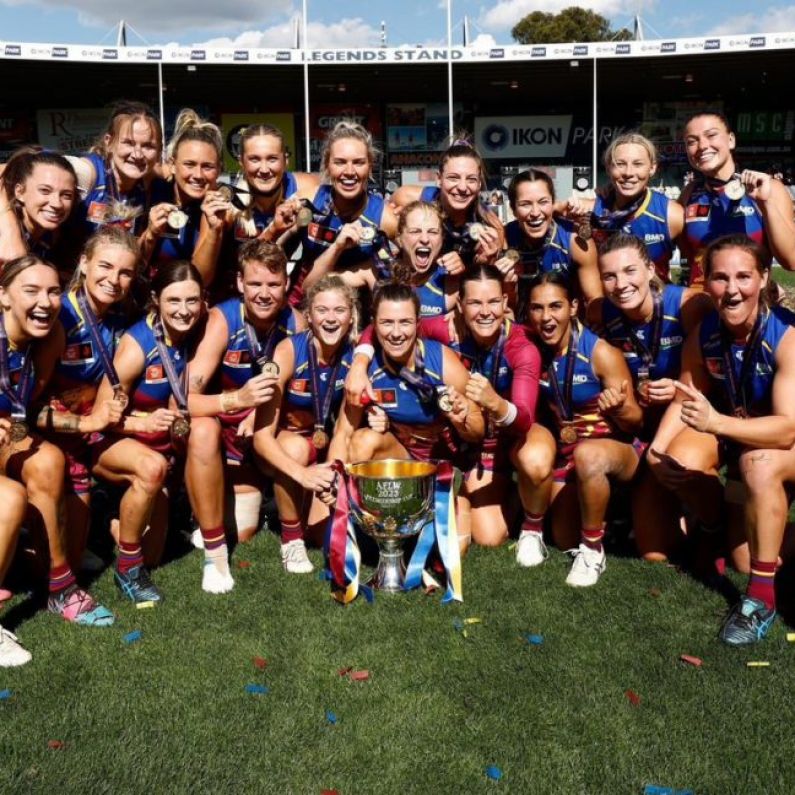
(228, 401)
(364, 349)
(508, 417)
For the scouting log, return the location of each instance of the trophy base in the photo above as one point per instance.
(390, 575)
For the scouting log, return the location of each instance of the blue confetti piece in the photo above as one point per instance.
(5, 695)
(458, 624)
(534, 640)
(256, 690)
(369, 593)
(331, 717)
(132, 637)
(653, 789)
(493, 772)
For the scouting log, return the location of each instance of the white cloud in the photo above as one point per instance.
(506, 13)
(772, 20)
(483, 41)
(344, 33)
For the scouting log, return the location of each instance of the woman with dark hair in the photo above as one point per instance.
(472, 234)
(151, 367)
(295, 428)
(734, 405)
(30, 298)
(587, 388)
(537, 243)
(722, 201)
(648, 322)
(38, 196)
(186, 221)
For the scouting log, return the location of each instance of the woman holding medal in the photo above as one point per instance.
(734, 402)
(537, 243)
(237, 348)
(294, 429)
(472, 233)
(37, 199)
(186, 221)
(648, 321)
(91, 322)
(151, 365)
(629, 205)
(722, 201)
(345, 206)
(114, 177)
(586, 385)
(30, 298)
(419, 239)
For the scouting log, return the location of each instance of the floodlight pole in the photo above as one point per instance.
(161, 106)
(450, 68)
(306, 88)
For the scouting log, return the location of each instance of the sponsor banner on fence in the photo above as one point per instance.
(70, 130)
(522, 136)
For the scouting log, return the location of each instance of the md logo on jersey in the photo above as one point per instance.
(155, 374)
(744, 210)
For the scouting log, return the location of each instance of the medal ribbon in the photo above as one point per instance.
(261, 352)
(563, 397)
(321, 406)
(615, 219)
(648, 353)
(736, 391)
(17, 398)
(714, 183)
(531, 260)
(416, 377)
(480, 367)
(178, 384)
(102, 350)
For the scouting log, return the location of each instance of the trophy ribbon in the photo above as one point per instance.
(341, 548)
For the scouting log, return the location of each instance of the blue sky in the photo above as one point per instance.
(352, 23)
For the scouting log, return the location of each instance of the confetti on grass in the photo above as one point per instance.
(260, 662)
(632, 697)
(5, 695)
(329, 792)
(360, 676)
(331, 717)
(655, 592)
(256, 690)
(144, 605)
(791, 637)
(758, 664)
(55, 745)
(132, 637)
(534, 640)
(244, 564)
(344, 671)
(654, 789)
(493, 772)
(690, 660)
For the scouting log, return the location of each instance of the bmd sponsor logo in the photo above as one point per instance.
(668, 46)
(712, 44)
(757, 41)
(497, 53)
(13, 49)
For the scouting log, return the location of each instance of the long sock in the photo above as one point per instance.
(761, 584)
(592, 537)
(61, 578)
(214, 538)
(130, 556)
(291, 531)
(533, 522)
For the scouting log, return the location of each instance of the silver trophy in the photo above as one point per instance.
(391, 501)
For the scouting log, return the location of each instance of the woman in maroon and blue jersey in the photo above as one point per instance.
(30, 299)
(37, 199)
(345, 205)
(587, 388)
(721, 201)
(472, 234)
(92, 319)
(294, 430)
(734, 405)
(648, 322)
(231, 375)
(151, 365)
(537, 243)
(189, 199)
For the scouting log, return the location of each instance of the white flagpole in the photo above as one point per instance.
(308, 165)
(450, 67)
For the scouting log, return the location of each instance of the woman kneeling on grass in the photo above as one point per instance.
(742, 359)
(294, 429)
(587, 387)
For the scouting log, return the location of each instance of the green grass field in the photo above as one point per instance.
(170, 712)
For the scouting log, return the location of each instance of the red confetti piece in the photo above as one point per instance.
(344, 671)
(329, 792)
(54, 745)
(655, 592)
(244, 564)
(260, 662)
(633, 697)
(690, 660)
(360, 676)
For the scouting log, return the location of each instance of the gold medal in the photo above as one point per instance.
(584, 231)
(320, 439)
(269, 367)
(568, 434)
(512, 254)
(368, 233)
(225, 192)
(304, 217)
(177, 219)
(19, 430)
(475, 230)
(734, 189)
(120, 396)
(445, 402)
(181, 427)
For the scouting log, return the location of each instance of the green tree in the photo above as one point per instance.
(571, 24)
